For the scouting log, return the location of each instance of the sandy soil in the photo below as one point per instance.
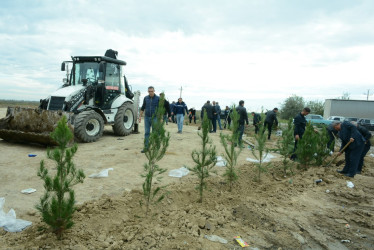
(280, 211)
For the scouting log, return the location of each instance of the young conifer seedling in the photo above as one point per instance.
(285, 146)
(157, 146)
(321, 151)
(57, 205)
(262, 151)
(231, 152)
(205, 159)
(306, 147)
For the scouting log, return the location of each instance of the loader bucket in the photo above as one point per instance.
(29, 125)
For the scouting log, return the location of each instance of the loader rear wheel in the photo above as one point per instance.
(124, 119)
(88, 126)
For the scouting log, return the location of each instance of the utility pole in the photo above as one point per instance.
(180, 93)
(367, 95)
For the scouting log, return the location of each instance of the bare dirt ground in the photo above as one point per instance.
(287, 212)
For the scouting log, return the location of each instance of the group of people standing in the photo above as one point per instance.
(149, 107)
(214, 114)
(176, 111)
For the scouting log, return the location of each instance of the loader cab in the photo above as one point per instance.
(85, 71)
(103, 73)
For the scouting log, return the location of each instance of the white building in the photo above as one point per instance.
(348, 108)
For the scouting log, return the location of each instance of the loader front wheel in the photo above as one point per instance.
(88, 126)
(124, 119)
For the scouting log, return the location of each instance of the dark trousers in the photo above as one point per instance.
(192, 117)
(294, 156)
(269, 126)
(241, 132)
(227, 122)
(364, 152)
(214, 122)
(352, 159)
(256, 129)
(173, 119)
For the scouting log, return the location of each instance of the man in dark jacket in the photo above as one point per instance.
(150, 104)
(214, 119)
(192, 115)
(256, 121)
(172, 105)
(243, 118)
(349, 133)
(332, 134)
(167, 114)
(300, 123)
(218, 115)
(367, 135)
(271, 117)
(180, 110)
(227, 117)
(208, 108)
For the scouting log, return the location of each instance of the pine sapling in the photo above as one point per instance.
(157, 146)
(285, 146)
(57, 205)
(321, 152)
(306, 147)
(205, 159)
(231, 153)
(262, 151)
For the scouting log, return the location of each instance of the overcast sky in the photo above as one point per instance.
(260, 51)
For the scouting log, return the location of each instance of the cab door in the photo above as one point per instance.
(112, 84)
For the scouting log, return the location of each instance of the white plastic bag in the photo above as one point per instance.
(28, 191)
(8, 220)
(266, 159)
(102, 174)
(220, 162)
(350, 184)
(215, 238)
(179, 173)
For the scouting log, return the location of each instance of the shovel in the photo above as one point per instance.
(341, 151)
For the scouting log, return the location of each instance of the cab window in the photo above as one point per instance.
(112, 77)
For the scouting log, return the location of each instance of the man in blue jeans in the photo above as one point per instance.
(150, 104)
(178, 110)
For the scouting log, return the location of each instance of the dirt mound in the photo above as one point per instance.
(289, 212)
